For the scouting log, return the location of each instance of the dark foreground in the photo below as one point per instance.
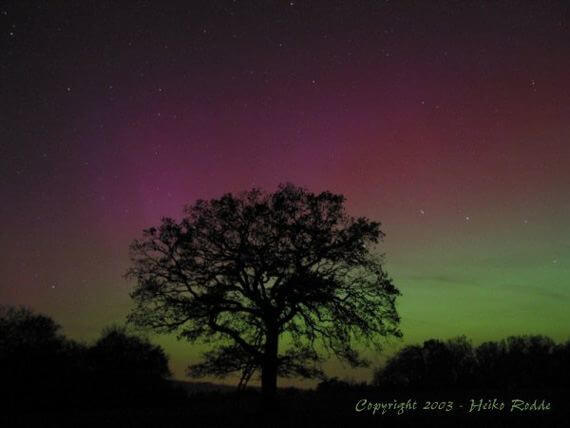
(324, 409)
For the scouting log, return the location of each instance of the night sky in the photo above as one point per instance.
(448, 121)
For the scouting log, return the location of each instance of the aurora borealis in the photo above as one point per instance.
(446, 121)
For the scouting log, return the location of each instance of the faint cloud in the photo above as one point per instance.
(534, 291)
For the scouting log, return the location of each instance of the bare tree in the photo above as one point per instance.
(241, 272)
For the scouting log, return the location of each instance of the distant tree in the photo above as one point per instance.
(502, 363)
(463, 361)
(434, 364)
(119, 353)
(31, 355)
(240, 272)
(491, 366)
(127, 369)
(404, 369)
(21, 328)
(559, 370)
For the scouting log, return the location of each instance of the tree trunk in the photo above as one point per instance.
(269, 366)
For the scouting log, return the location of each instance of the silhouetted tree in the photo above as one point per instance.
(125, 355)
(21, 328)
(31, 354)
(501, 364)
(128, 369)
(405, 369)
(433, 365)
(241, 271)
(559, 369)
(463, 360)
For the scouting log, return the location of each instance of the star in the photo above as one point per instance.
(532, 84)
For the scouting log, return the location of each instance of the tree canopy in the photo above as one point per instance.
(240, 271)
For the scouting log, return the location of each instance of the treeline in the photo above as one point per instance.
(515, 363)
(527, 362)
(41, 369)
